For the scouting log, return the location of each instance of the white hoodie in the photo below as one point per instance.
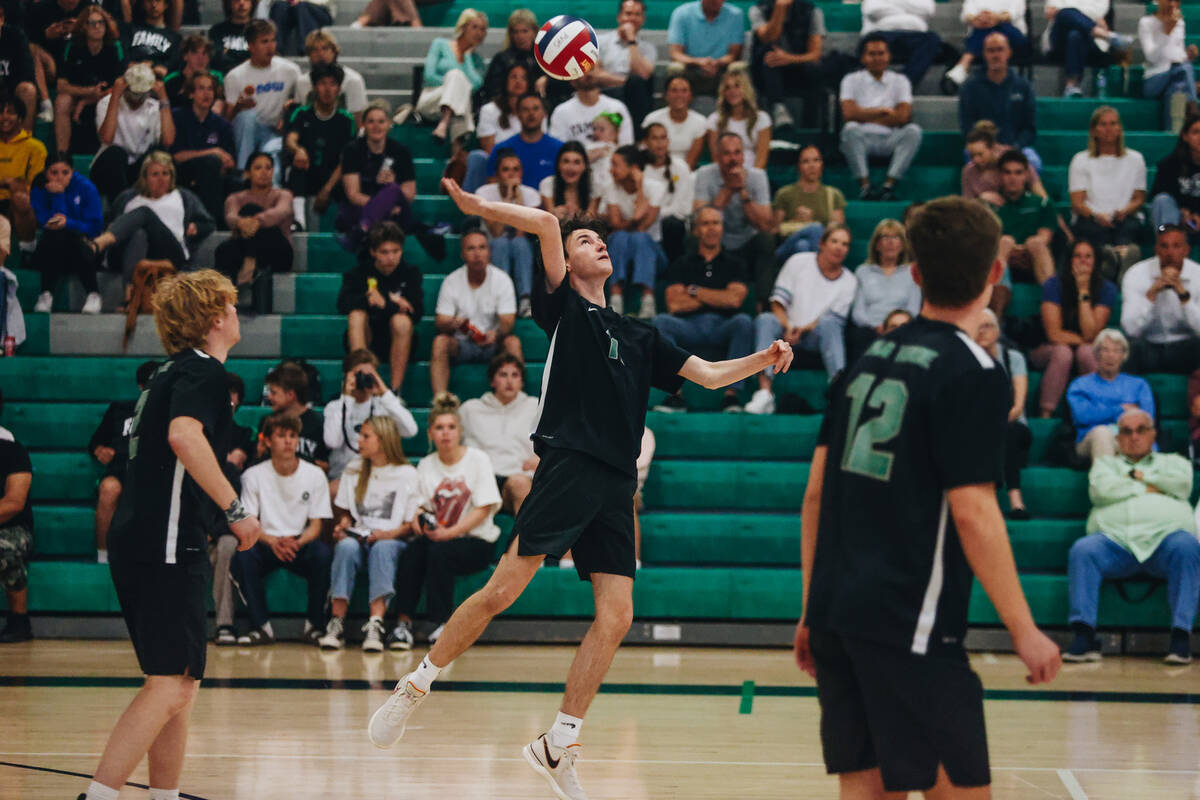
(501, 431)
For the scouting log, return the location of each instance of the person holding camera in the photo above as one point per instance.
(364, 395)
(1158, 311)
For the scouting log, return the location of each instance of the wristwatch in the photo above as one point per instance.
(1085, 298)
(692, 290)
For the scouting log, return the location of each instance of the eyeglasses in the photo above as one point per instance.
(1139, 430)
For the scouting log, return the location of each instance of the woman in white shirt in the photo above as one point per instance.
(497, 122)
(500, 424)
(455, 531)
(1169, 73)
(631, 204)
(511, 250)
(1107, 183)
(374, 508)
(737, 111)
(687, 129)
(673, 172)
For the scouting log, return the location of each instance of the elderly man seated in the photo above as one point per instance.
(1141, 525)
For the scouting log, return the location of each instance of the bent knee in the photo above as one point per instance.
(401, 323)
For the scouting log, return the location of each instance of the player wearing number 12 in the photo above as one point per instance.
(899, 511)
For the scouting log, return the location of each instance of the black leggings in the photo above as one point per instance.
(65, 252)
(112, 173)
(434, 565)
(1017, 441)
(269, 248)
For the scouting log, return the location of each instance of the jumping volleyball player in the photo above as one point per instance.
(595, 389)
(899, 511)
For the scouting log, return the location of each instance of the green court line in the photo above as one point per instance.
(747, 705)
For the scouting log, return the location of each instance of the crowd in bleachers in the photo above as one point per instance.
(187, 135)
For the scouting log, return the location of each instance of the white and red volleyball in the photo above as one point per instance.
(566, 47)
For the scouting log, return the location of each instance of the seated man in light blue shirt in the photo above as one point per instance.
(1098, 400)
(705, 37)
(1141, 524)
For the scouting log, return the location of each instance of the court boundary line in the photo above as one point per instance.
(1072, 783)
(36, 768)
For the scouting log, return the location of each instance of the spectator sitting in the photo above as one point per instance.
(1176, 190)
(904, 26)
(704, 37)
(1027, 221)
(50, 23)
(738, 112)
(323, 51)
(1098, 399)
(981, 173)
(476, 311)
(68, 211)
(499, 423)
(1017, 438)
(877, 106)
(296, 20)
(809, 306)
(1076, 305)
(291, 499)
(109, 445)
(601, 144)
(743, 197)
(537, 149)
(705, 292)
(1169, 73)
(317, 135)
(204, 146)
(16, 539)
(573, 119)
(569, 191)
(130, 123)
(260, 218)
(93, 59)
(458, 489)
(511, 249)
(364, 396)
(154, 220)
(804, 208)
(1108, 189)
(1076, 34)
(383, 301)
(378, 179)
(287, 394)
(22, 158)
(375, 508)
(785, 56)
(229, 35)
(687, 130)
(256, 92)
(390, 13)
(1156, 311)
(885, 283)
(453, 71)
(894, 320)
(519, 33)
(197, 57)
(626, 68)
(1141, 524)
(673, 172)
(149, 39)
(985, 18)
(631, 204)
(1002, 96)
(498, 120)
(16, 59)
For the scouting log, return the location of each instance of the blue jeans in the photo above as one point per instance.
(1016, 40)
(634, 256)
(828, 339)
(476, 171)
(708, 330)
(1071, 40)
(1164, 210)
(514, 255)
(1096, 557)
(1179, 79)
(381, 558)
(249, 135)
(251, 567)
(805, 240)
(917, 50)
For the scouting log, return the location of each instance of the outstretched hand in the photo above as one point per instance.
(780, 354)
(468, 203)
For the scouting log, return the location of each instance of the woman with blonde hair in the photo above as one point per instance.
(453, 72)
(517, 49)
(453, 531)
(1107, 184)
(376, 501)
(738, 112)
(885, 284)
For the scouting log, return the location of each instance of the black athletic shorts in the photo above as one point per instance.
(883, 706)
(581, 504)
(166, 611)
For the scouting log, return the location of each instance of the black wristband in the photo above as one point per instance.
(236, 512)
(1185, 296)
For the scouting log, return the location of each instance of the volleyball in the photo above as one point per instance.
(566, 48)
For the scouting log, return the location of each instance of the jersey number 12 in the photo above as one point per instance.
(863, 455)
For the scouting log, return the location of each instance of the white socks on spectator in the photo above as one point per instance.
(298, 213)
(424, 676)
(98, 791)
(164, 794)
(566, 730)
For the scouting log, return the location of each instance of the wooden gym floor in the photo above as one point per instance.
(288, 722)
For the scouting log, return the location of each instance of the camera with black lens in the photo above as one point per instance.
(428, 520)
(364, 381)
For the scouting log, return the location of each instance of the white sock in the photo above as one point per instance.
(101, 556)
(424, 675)
(298, 211)
(164, 794)
(98, 791)
(566, 730)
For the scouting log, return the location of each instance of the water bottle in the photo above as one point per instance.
(1102, 83)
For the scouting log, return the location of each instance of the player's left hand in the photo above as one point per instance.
(780, 355)
(801, 651)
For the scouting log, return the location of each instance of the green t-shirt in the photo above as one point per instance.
(1023, 218)
(823, 202)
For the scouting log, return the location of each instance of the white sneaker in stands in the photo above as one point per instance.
(763, 402)
(92, 304)
(557, 766)
(390, 719)
(44, 302)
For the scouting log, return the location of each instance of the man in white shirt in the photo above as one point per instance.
(626, 68)
(573, 119)
(809, 306)
(131, 120)
(322, 48)
(291, 498)
(255, 94)
(877, 107)
(1158, 311)
(476, 312)
(904, 25)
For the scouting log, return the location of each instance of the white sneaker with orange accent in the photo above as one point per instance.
(557, 766)
(388, 722)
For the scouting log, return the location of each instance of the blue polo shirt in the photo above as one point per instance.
(192, 134)
(537, 158)
(701, 38)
